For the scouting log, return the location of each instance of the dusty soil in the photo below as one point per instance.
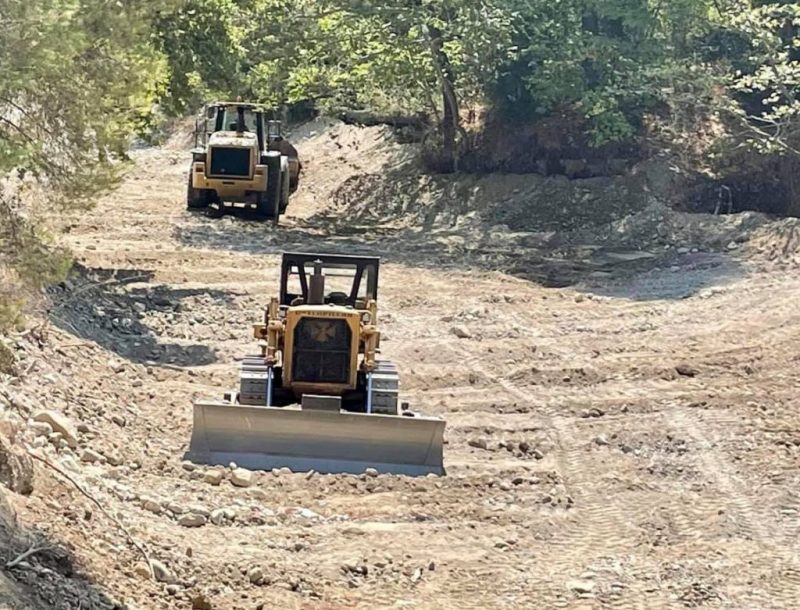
(622, 427)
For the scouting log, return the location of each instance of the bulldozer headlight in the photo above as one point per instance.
(366, 317)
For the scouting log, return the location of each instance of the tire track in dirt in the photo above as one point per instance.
(604, 525)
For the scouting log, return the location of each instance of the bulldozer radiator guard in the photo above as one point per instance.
(263, 438)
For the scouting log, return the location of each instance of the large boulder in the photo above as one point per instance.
(60, 423)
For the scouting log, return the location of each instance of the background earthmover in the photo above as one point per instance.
(241, 159)
(317, 397)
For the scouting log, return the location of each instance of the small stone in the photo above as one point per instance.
(461, 332)
(188, 466)
(152, 506)
(600, 440)
(175, 508)
(355, 567)
(371, 472)
(91, 456)
(199, 509)
(218, 516)
(255, 575)
(70, 464)
(213, 477)
(119, 420)
(173, 589)
(686, 370)
(241, 477)
(580, 586)
(142, 570)
(306, 513)
(161, 572)
(478, 443)
(40, 428)
(504, 486)
(114, 459)
(192, 520)
(61, 424)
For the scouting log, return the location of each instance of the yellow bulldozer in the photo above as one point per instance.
(241, 160)
(318, 396)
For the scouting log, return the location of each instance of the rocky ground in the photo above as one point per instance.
(619, 389)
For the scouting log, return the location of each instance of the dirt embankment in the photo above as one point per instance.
(618, 381)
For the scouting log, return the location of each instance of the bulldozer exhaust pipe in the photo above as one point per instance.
(316, 285)
(240, 125)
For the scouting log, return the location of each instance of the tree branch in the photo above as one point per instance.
(139, 547)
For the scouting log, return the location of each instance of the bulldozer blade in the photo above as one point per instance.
(262, 438)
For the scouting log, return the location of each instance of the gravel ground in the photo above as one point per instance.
(621, 421)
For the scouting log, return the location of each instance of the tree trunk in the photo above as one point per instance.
(450, 115)
(789, 167)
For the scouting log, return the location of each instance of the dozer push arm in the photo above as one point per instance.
(269, 333)
(371, 336)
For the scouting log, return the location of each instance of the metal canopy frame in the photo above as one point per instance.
(303, 262)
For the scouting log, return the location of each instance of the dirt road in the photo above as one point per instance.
(628, 442)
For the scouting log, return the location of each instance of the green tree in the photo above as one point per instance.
(76, 78)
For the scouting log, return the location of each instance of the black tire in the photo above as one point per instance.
(268, 206)
(285, 186)
(196, 199)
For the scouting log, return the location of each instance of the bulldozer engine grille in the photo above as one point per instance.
(321, 351)
(230, 162)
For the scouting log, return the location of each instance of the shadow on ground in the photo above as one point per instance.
(49, 579)
(534, 257)
(111, 308)
(675, 277)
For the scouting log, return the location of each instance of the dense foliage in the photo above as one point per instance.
(613, 63)
(76, 78)
(716, 80)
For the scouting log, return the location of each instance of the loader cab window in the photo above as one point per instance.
(230, 120)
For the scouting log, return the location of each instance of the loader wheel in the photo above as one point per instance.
(268, 206)
(195, 198)
(285, 186)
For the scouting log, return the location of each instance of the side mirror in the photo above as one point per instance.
(210, 112)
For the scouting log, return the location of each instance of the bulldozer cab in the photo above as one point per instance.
(350, 281)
